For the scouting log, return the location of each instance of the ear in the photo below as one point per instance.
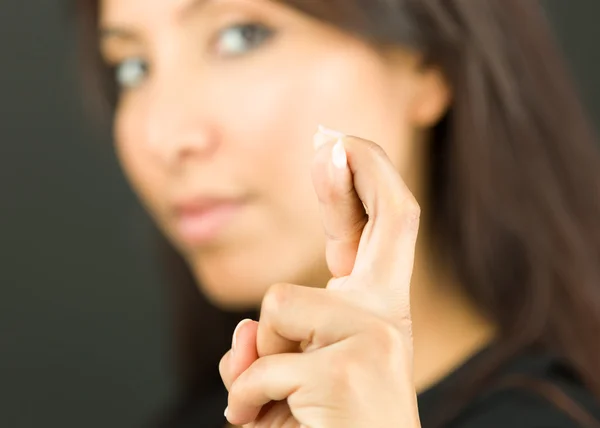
(431, 97)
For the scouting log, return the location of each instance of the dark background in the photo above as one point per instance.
(84, 339)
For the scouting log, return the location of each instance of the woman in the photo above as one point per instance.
(215, 106)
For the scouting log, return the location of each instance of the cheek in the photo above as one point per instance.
(136, 162)
(360, 97)
(342, 86)
(269, 124)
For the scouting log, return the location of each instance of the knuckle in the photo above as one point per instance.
(409, 213)
(237, 392)
(242, 386)
(412, 211)
(412, 208)
(223, 367)
(375, 149)
(277, 298)
(344, 374)
(386, 338)
(379, 348)
(225, 373)
(237, 389)
(369, 147)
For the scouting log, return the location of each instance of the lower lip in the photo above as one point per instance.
(205, 226)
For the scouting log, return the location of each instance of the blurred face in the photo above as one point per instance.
(219, 102)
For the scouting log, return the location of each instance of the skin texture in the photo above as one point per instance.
(350, 374)
(202, 119)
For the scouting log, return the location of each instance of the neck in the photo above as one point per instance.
(447, 327)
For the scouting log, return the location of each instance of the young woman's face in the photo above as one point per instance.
(219, 103)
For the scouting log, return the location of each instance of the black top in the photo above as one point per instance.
(534, 390)
(531, 391)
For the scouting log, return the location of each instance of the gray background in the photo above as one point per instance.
(83, 327)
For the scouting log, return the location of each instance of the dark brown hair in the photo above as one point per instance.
(515, 191)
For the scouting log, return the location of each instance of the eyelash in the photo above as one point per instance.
(252, 33)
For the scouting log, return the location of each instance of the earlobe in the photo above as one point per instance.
(431, 98)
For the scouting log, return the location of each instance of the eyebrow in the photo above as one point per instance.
(117, 33)
(192, 7)
(124, 33)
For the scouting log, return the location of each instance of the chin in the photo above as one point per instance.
(232, 296)
(241, 283)
(230, 287)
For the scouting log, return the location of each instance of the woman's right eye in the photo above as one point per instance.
(131, 73)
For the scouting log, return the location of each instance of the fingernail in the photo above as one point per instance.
(330, 132)
(234, 340)
(225, 412)
(325, 135)
(338, 155)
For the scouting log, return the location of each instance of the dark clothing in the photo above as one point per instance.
(531, 391)
(560, 402)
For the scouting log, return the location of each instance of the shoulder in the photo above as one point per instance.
(536, 392)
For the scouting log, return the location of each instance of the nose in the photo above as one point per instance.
(176, 127)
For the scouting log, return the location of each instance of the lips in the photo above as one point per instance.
(203, 219)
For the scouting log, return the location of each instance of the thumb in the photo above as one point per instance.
(354, 177)
(343, 213)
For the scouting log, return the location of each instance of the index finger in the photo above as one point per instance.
(387, 243)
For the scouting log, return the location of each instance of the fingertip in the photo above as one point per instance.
(237, 332)
(325, 135)
(244, 342)
(330, 132)
(239, 414)
(242, 354)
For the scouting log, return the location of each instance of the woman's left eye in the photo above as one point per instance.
(242, 38)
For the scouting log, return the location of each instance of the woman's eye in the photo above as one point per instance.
(131, 73)
(239, 39)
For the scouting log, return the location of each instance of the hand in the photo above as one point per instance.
(340, 356)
